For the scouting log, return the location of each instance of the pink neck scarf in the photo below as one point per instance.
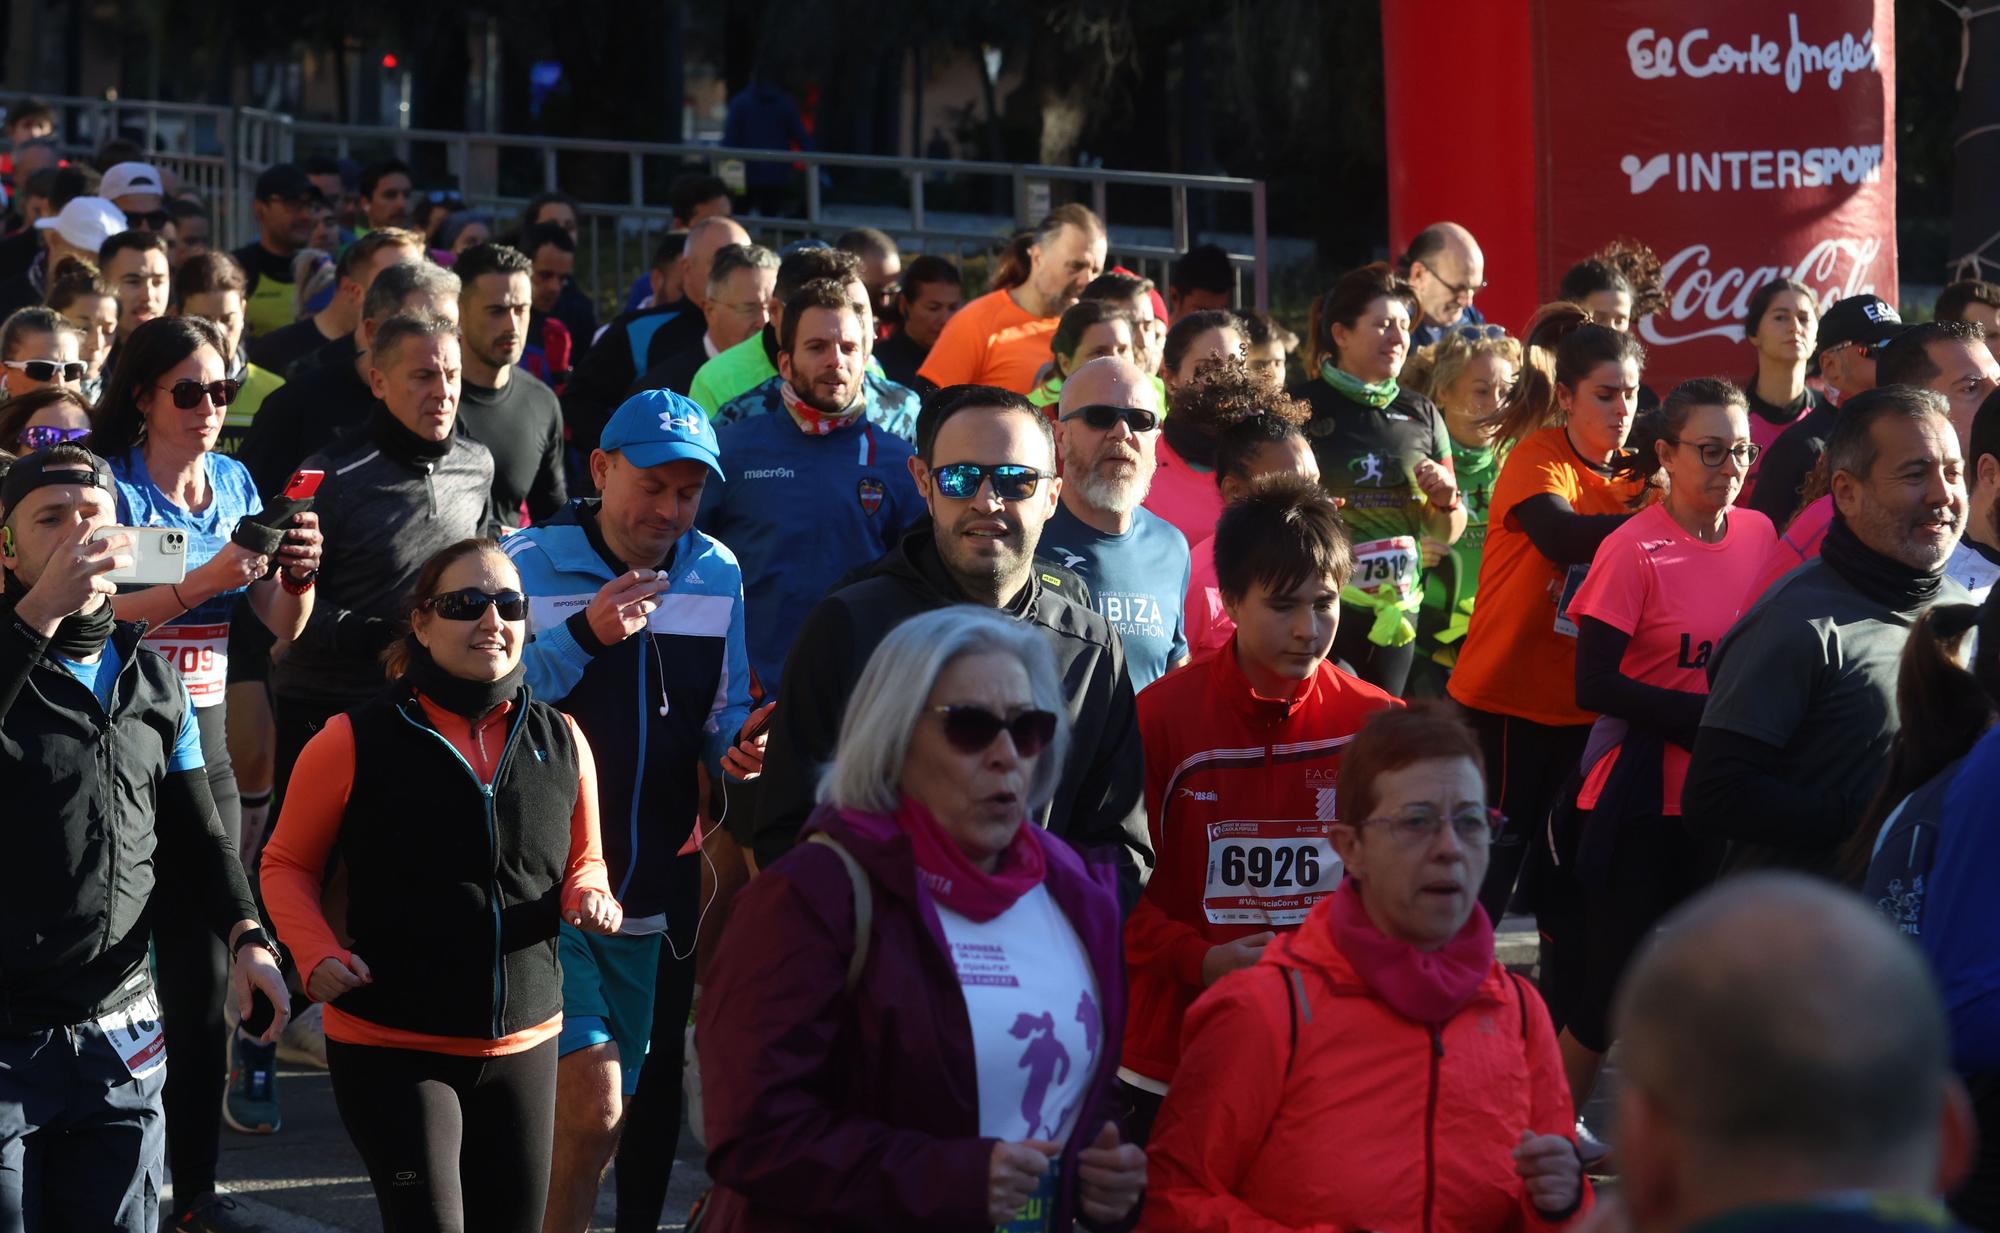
(1427, 986)
(954, 881)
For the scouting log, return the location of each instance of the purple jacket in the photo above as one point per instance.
(827, 1112)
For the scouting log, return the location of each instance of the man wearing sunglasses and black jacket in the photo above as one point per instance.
(107, 801)
(986, 467)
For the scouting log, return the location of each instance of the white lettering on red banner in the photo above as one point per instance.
(1698, 54)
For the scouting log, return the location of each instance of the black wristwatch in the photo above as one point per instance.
(253, 936)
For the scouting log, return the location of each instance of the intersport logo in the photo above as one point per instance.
(1706, 301)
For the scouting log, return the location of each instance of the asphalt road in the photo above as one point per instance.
(308, 1179)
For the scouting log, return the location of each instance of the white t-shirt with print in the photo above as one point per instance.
(1037, 1024)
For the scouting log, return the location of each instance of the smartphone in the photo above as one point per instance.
(159, 555)
(303, 484)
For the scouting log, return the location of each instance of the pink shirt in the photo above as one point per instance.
(1799, 544)
(1208, 626)
(1183, 496)
(1675, 596)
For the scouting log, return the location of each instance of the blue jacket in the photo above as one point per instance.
(801, 512)
(691, 665)
(893, 407)
(1933, 872)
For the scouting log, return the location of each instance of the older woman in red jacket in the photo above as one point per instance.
(1377, 1069)
(913, 1020)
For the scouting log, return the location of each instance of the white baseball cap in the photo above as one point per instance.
(86, 223)
(126, 178)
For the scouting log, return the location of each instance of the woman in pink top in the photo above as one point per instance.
(1266, 442)
(1184, 490)
(1661, 592)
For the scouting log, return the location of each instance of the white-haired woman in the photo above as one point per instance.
(915, 1014)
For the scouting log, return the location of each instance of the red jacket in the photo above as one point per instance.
(1230, 776)
(1321, 1110)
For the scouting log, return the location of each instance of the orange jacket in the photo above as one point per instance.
(1318, 1109)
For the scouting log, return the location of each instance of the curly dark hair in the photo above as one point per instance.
(1225, 391)
(1641, 267)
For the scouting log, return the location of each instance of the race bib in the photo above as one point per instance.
(1268, 873)
(200, 653)
(135, 1033)
(1386, 564)
(1572, 583)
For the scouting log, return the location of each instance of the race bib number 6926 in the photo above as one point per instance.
(1266, 872)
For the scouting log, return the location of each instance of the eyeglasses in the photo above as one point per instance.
(1866, 351)
(1713, 452)
(188, 392)
(1478, 333)
(1138, 419)
(1011, 481)
(1419, 824)
(1455, 288)
(470, 604)
(46, 370)
(972, 729)
(151, 220)
(42, 436)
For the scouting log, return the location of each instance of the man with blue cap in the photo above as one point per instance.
(637, 621)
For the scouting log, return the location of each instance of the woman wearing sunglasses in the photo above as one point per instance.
(1382, 1035)
(912, 1022)
(43, 418)
(1661, 592)
(38, 351)
(157, 427)
(1384, 450)
(465, 815)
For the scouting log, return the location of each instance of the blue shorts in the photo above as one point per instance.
(608, 996)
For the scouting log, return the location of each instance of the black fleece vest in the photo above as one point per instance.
(455, 889)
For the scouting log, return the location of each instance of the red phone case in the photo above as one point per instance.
(303, 484)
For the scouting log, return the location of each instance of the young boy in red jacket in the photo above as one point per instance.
(1242, 752)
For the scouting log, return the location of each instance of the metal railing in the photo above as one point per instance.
(221, 150)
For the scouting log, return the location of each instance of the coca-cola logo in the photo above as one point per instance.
(1697, 54)
(1706, 302)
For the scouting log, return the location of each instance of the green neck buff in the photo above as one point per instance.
(1377, 394)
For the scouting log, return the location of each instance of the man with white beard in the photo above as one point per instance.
(1134, 561)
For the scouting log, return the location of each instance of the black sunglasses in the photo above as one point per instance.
(469, 604)
(187, 392)
(151, 220)
(1102, 417)
(1011, 481)
(972, 729)
(1479, 333)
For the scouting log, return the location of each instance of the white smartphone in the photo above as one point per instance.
(159, 555)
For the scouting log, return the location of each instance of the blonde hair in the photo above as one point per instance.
(1434, 369)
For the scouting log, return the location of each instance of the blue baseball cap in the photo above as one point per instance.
(656, 426)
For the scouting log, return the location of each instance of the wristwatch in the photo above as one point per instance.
(254, 936)
(298, 586)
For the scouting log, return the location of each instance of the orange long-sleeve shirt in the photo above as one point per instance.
(294, 864)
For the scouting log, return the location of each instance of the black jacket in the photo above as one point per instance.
(306, 414)
(94, 822)
(383, 515)
(629, 346)
(1099, 802)
(675, 373)
(457, 915)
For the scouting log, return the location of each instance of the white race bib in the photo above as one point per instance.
(200, 653)
(1389, 564)
(135, 1033)
(1268, 873)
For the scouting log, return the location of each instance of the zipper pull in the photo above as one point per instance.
(1437, 1040)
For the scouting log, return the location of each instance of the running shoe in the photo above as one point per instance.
(303, 1041)
(251, 1104)
(1593, 1151)
(214, 1214)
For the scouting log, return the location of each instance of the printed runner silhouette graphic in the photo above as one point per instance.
(1042, 1056)
(1370, 466)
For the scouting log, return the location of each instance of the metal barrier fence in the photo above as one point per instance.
(221, 150)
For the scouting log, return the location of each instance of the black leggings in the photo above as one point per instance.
(451, 1143)
(193, 984)
(652, 1132)
(1387, 668)
(1526, 766)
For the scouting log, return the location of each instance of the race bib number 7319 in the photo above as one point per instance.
(1266, 872)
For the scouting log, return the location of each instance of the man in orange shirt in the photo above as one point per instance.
(1002, 337)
